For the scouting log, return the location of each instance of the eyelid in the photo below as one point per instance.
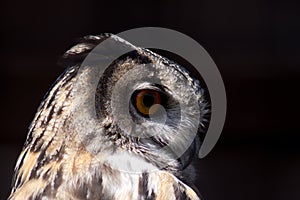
(151, 86)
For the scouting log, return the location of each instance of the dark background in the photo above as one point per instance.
(255, 44)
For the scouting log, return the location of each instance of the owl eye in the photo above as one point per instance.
(145, 99)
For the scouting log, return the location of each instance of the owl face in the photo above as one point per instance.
(144, 104)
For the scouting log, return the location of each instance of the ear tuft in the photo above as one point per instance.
(77, 53)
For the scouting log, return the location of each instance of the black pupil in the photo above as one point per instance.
(148, 100)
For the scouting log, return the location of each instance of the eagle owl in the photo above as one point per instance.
(127, 132)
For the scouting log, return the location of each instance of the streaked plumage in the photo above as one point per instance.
(72, 153)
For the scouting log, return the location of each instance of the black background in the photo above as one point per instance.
(255, 44)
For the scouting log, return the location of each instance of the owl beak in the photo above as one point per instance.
(187, 157)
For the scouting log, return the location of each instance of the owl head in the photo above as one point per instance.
(137, 101)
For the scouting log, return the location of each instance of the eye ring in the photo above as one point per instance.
(145, 100)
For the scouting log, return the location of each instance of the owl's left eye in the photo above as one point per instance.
(145, 100)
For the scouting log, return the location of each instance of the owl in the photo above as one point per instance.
(121, 127)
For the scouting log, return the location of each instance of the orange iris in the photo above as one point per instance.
(147, 98)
